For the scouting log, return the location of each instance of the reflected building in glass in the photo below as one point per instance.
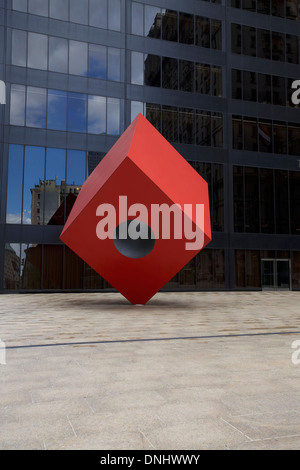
(213, 76)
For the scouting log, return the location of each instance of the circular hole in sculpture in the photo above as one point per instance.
(134, 239)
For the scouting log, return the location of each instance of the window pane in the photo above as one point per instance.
(152, 21)
(31, 266)
(294, 138)
(265, 133)
(202, 78)
(114, 15)
(170, 73)
(52, 267)
(58, 55)
(264, 44)
(186, 75)
(36, 107)
(78, 58)
(216, 34)
(57, 110)
(267, 201)
(114, 64)
(169, 25)
(250, 134)
(186, 28)
(17, 105)
(236, 38)
(282, 201)
(37, 51)
(296, 269)
(79, 11)
(76, 168)
(204, 269)
(137, 68)
(11, 274)
(292, 49)
(186, 126)
(14, 184)
(96, 115)
(217, 129)
(216, 81)
(34, 185)
(237, 132)
(236, 84)
(278, 8)
(54, 190)
(249, 5)
(188, 275)
(97, 61)
(202, 31)
(113, 116)
(38, 7)
(137, 18)
(251, 200)
(77, 118)
(153, 114)
(263, 6)
(249, 86)
(219, 269)
(170, 123)
(98, 13)
(20, 5)
(295, 202)
(278, 46)
(280, 137)
(279, 88)
(203, 128)
(292, 9)
(19, 47)
(152, 70)
(249, 41)
(59, 9)
(218, 198)
(238, 199)
(253, 277)
(264, 88)
(137, 107)
(240, 273)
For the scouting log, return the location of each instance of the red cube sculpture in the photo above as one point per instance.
(140, 178)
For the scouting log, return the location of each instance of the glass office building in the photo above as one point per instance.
(214, 77)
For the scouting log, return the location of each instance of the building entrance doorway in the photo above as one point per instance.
(276, 273)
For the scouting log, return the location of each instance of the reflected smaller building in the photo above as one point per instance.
(47, 197)
(11, 268)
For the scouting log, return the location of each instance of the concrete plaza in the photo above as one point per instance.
(186, 371)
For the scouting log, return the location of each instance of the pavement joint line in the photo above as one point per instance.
(144, 340)
(236, 429)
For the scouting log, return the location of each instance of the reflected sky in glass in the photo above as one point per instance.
(76, 167)
(36, 107)
(38, 7)
(77, 112)
(58, 54)
(17, 105)
(59, 9)
(14, 184)
(97, 61)
(79, 11)
(37, 51)
(113, 116)
(19, 47)
(98, 13)
(114, 64)
(114, 15)
(96, 115)
(78, 58)
(57, 110)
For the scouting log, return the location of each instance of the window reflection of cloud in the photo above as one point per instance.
(36, 107)
(96, 115)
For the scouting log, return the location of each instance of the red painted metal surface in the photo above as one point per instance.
(145, 168)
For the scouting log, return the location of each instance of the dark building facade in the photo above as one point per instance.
(214, 77)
